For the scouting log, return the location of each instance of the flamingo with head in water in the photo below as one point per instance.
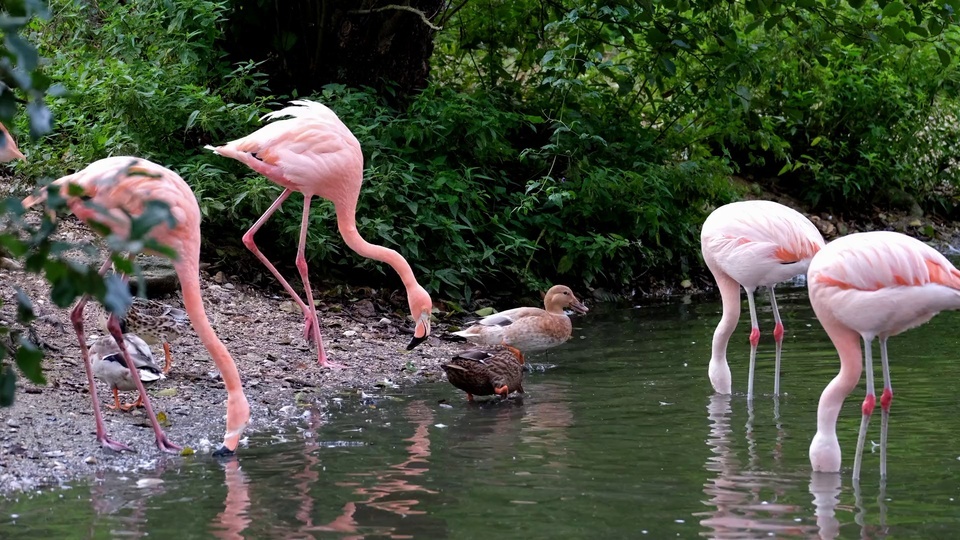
(865, 286)
(113, 190)
(313, 152)
(753, 244)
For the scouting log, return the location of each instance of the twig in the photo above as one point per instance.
(413, 10)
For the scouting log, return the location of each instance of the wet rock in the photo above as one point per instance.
(158, 275)
(365, 308)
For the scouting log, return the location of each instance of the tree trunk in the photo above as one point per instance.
(306, 44)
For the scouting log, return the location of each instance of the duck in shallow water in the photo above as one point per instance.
(109, 366)
(527, 328)
(488, 370)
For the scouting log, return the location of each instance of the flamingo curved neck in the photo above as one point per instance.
(719, 370)
(347, 224)
(825, 448)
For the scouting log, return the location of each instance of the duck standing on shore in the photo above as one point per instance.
(527, 328)
(156, 322)
(110, 367)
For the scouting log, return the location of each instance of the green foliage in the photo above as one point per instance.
(144, 79)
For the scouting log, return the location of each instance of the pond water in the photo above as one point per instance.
(623, 438)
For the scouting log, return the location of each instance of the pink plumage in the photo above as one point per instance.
(120, 186)
(753, 244)
(8, 148)
(308, 149)
(866, 286)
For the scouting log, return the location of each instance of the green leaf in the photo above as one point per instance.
(8, 385)
(893, 9)
(944, 56)
(29, 358)
(117, 298)
(25, 312)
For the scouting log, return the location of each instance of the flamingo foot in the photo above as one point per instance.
(110, 444)
(165, 445)
(331, 364)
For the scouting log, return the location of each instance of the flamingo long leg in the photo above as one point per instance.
(305, 276)
(778, 337)
(754, 340)
(113, 325)
(252, 246)
(885, 400)
(76, 317)
(867, 409)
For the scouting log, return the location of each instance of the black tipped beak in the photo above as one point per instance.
(224, 452)
(416, 341)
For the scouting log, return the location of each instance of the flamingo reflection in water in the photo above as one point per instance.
(826, 489)
(396, 480)
(738, 509)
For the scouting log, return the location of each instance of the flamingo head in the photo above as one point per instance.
(420, 308)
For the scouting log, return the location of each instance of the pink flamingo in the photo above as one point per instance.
(8, 146)
(753, 244)
(314, 153)
(871, 285)
(120, 186)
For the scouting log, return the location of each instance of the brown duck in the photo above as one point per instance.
(483, 371)
(529, 329)
(156, 322)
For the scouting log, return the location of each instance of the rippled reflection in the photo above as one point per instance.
(736, 491)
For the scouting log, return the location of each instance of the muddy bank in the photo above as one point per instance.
(47, 437)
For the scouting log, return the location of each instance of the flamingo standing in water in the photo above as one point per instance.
(8, 146)
(753, 244)
(120, 186)
(865, 286)
(314, 153)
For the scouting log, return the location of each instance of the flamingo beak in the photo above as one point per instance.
(422, 331)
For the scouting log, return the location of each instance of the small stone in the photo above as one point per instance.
(289, 307)
(350, 333)
(90, 460)
(384, 321)
(228, 286)
(12, 423)
(219, 277)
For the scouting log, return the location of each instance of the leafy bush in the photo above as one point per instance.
(144, 79)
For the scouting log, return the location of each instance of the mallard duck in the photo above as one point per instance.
(110, 367)
(526, 328)
(483, 371)
(156, 322)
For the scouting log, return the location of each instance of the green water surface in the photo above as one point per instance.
(623, 438)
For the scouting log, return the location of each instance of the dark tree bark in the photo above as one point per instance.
(306, 44)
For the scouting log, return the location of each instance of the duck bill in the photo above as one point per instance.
(579, 308)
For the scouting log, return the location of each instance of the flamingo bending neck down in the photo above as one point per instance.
(753, 244)
(120, 186)
(865, 286)
(314, 153)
